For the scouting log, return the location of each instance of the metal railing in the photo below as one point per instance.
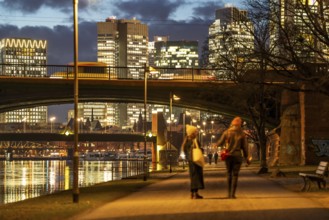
(128, 168)
(97, 71)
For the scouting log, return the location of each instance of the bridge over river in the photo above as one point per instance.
(300, 113)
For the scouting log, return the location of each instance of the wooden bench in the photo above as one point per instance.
(318, 177)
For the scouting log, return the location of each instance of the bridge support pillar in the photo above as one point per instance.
(304, 137)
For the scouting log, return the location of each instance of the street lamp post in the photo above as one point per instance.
(52, 119)
(145, 125)
(198, 126)
(212, 126)
(184, 113)
(24, 124)
(211, 146)
(172, 97)
(75, 188)
(212, 136)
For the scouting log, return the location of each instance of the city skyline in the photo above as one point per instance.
(52, 20)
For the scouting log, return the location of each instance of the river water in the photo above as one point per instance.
(20, 180)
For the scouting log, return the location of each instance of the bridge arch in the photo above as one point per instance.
(20, 93)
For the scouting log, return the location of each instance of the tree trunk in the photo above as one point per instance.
(263, 161)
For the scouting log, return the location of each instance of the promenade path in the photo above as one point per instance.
(257, 198)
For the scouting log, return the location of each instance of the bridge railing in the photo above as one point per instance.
(103, 72)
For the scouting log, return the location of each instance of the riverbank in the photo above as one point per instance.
(60, 205)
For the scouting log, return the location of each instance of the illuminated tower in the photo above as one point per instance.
(176, 54)
(123, 43)
(24, 58)
(229, 36)
(301, 22)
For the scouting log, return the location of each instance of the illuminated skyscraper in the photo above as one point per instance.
(24, 58)
(305, 23)
(176, 54)
(151, 48)
(230, 36)
(122, 43)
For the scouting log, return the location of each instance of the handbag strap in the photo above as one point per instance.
(228, 141)
(196, 143)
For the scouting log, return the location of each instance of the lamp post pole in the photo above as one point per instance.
(24, 124)
(170, 121)
(52, 119)
(171, 99)
(212, 136)
(184, 123)
(76, 94)
(145, 125)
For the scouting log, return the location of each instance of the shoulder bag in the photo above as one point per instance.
(224, 154)
(197, 154)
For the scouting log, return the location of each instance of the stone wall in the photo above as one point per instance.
(290, 146)
(316, 128)
(304, 137)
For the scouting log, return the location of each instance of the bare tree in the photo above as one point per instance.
(298, 43)
(245, 63)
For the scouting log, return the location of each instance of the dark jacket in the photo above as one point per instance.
(195, 171)
(234, 139)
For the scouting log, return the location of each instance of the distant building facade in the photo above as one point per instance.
(230, 37)
(120, 43)
(123, 43)
(293, 17)
(176, 54)
(24, 58)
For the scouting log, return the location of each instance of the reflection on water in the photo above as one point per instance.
(21, 180)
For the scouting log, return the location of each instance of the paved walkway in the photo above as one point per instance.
(257, 198)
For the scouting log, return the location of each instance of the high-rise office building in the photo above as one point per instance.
(121, 43)
(230, 37)
(176, 54)
(151, 48)
(24, 58)
(296, 20)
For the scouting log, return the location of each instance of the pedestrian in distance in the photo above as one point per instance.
(210, 158)
(216, 157)
(195, 171)
(236, 143)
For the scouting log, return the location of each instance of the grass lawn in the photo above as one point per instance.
(60, 205)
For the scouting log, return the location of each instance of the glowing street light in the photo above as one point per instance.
(212, 136)
(172, 98)
(24, 124)
(52, 119)
(75, 187)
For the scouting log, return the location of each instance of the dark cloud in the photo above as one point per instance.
(32, 6)
(60, 40)
(156, 13)
(207, 9)
(60, 49)
(148, 9)
(193, 30)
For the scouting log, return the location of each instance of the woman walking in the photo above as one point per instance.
(235, 141)
(195, 171)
